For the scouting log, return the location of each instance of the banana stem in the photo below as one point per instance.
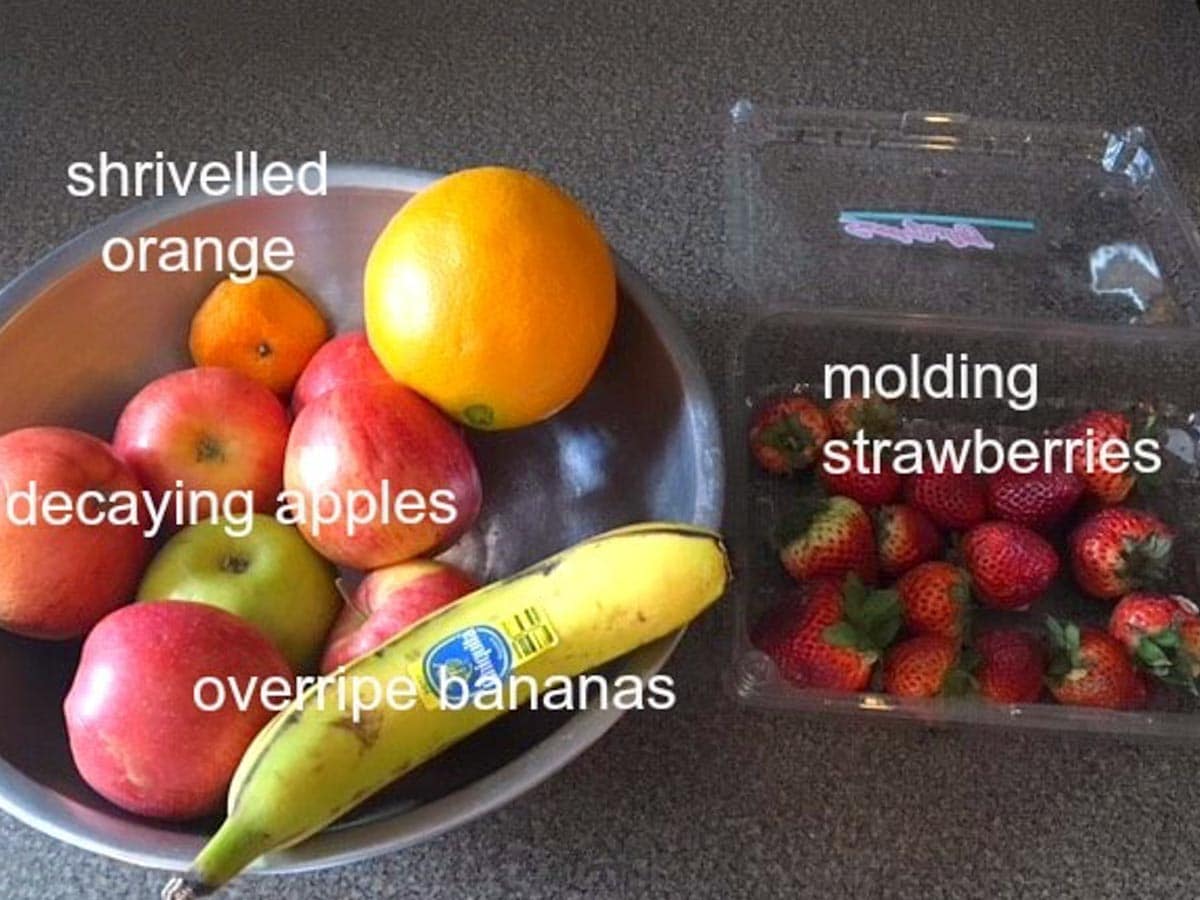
(228, 852)
(184, 887)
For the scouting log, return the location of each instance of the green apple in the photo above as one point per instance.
(271, 577)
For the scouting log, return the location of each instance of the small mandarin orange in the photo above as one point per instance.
(264, 328)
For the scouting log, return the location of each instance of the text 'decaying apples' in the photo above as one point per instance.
(28, 506)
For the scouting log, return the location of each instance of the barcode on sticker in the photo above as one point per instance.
(525, 620)
(529, 633)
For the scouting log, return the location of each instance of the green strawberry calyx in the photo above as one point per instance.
(1164, 656)
(1144, 425)
(790, 438)
(960, 681)
(870, 619)
(875, 419)
(1145, 562)
(1067, 662)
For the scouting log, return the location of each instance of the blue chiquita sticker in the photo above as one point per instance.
(466, 662)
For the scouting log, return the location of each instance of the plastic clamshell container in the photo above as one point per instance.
(858, 237)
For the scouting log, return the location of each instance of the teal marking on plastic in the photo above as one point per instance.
(859, 215)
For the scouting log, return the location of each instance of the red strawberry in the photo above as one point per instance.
(1090, 668)
(868, 487)
(1010, 565)
(1095, 430)
(1038, 500)
(1189, 646)
(1141, 616)
(1161, 633)
(924, 666)
(787, 434)
(832, 538)
(829, 633)
(1011, 665)
(953, 500)
(1119, 550)
(873, 417)
(934, 599)
(1189, 632)
(904, 538)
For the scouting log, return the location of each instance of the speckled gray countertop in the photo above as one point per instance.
(623, 104)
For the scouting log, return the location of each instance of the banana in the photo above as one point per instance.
(589, 604)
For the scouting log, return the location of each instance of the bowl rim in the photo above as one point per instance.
(144, 843)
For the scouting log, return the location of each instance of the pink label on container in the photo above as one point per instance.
(960, 235)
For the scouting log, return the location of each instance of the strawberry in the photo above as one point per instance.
(1037, 500)
(934, 599)
(1107, 483)
(1161, 633)
(953, 500)
(1142, 616)
(1090, 668)
(1119, 550)
(904, 538)
(831, 538)
(1010, 667)
(829, 633)
(1010, 565)
(1189, 642)
(924, 666)
(870, 488)
(874, 417)
(787, 434)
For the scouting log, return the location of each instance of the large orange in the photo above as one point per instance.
(492, 293)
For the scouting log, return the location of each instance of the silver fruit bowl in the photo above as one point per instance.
(77, 341)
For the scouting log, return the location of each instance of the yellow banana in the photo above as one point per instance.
(589, 604)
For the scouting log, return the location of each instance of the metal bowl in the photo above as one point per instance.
(77, 341)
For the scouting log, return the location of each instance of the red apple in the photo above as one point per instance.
(347, 359)
(387, 602)
(208, 429)
(379, 445)
(59, 577)
(138, 734)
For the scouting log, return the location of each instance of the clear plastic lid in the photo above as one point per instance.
(942, 213)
